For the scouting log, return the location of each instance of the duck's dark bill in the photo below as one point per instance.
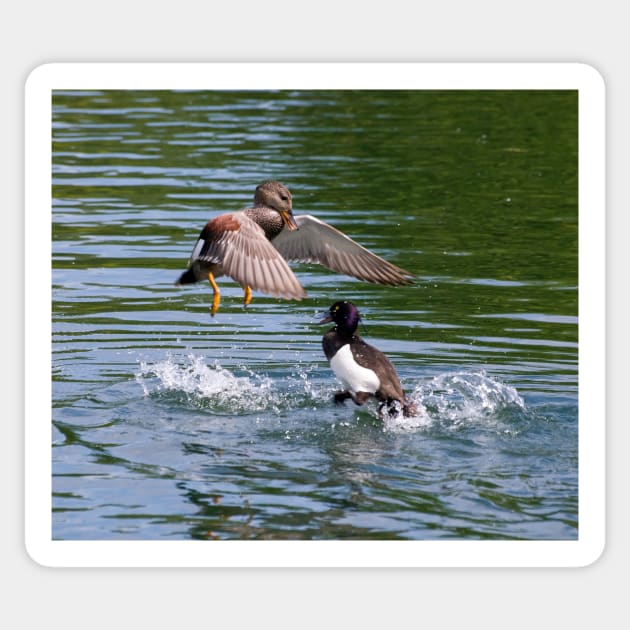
(326, 319)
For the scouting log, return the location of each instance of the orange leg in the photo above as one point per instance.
(248, 296)
(216, 298)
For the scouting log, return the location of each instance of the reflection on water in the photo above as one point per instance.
(170, 424)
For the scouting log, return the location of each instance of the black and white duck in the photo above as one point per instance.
(363, 370)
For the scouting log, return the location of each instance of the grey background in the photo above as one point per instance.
(38, 32)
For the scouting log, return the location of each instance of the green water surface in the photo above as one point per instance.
(170, 424)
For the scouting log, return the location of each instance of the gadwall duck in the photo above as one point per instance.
(252, 246)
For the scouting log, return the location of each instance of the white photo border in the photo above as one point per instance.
(47, 78)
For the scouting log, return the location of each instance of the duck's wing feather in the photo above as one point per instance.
(372, 358)
(318, 242)
(245, 254)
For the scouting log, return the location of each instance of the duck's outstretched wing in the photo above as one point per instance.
(318, 242)
(245, 254)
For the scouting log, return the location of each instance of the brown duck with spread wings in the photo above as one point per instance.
(252, 246)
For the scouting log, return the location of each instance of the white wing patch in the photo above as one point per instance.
(195, 252)
(353, 376)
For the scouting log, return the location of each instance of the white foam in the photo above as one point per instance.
(449, 401)
(211, 382)
(216, 388)
(455, 399)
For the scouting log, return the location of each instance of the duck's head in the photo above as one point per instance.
(345, 315)
(277, 196)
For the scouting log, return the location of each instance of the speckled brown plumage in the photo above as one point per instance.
(253, 245)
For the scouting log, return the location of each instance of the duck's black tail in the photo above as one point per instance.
(188, 277)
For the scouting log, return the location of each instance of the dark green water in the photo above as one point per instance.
(168, 424)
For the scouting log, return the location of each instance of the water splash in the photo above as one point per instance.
(456, 399)
(219, 390)
(449, 401)
(205, 385)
